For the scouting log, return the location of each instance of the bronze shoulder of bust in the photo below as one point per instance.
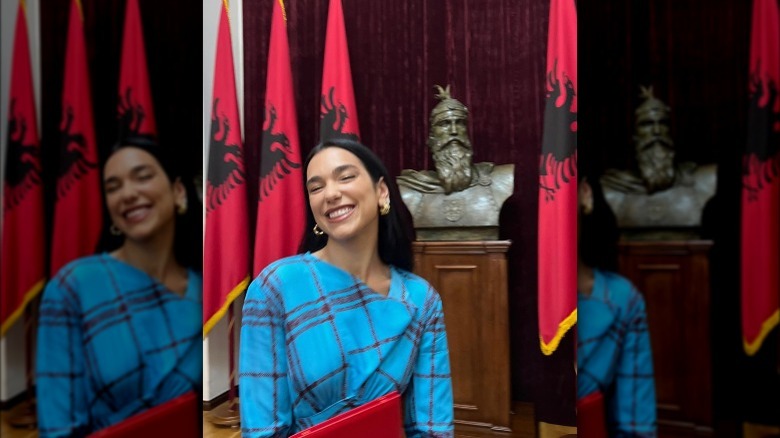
(411, 197)
(503, 182)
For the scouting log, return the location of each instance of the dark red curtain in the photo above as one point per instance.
(172, 35)
(491, 52)
(695, 53)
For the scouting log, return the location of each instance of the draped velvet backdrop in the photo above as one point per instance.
(493, 55)
(172, 38)
(696, 54)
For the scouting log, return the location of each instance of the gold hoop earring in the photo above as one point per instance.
(317, 230)
(587, 207)
(181, 209)
(385, 210)
(115, 230)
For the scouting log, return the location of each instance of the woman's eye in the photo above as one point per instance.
(347, 177)
(314, 189)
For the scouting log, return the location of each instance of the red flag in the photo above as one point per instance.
(226, 242)
(338, 113)
(761, 182)
(77, 217)
(281, 207)
(558, 181)
(135, 109)
(23, 247)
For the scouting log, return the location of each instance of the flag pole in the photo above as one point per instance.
(227, 414)
(24, 416)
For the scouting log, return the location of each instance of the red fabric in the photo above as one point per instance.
(136, 111)
(591, 416)
(281, 204)
(77, 211)
(380, 418)
(178, 417)
(226, 243)
(761, 181)
(558, 181)
(338, 113)
(23, 258)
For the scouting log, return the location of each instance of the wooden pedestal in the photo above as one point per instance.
(471, 278)
(674, 277)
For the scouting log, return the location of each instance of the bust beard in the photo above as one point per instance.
(453, 163)
(656, 166)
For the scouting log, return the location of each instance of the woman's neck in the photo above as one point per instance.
(359, 258)
(156, 258)
(584, 278)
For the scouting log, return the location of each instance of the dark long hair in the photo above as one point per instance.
(599, 234)
(188, 237)
(395, 230)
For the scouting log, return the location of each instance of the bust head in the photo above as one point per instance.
(654, 147)
(449, 142)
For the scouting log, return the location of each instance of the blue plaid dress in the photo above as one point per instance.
(316, 341)
(613, 355)
(112, 342)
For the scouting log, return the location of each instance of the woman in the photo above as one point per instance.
(613, 351)
(345, 321)
(120, 331)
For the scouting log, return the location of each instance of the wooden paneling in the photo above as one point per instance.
(471, 278)
(674, 277)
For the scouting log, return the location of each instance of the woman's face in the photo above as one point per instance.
(344, 199)
(141, 200)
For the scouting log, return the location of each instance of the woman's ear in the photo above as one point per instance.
(383, 192)
(585, 196)
(179, 193)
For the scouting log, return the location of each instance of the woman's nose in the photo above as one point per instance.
(128, 192)
(332, 192)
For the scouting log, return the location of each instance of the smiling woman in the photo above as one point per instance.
(120, 331)
(344, 322)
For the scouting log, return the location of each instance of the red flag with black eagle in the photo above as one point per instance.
(558, 181)
(226, 243)
(281, 206)
(77, 217)
(23, 247)
(761, 182)
(338, 113)
(135, 110)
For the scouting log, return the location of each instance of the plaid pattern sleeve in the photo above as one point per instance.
(614, 355)
(113, 342)
(633, 403)
(60, 380)
(262, 365)
(428, 398)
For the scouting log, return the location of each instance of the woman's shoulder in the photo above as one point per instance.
(84, 267)
(76, 276)
(418, 289)
(619, 289)
(413, 280)
(287, 267)
(284, 270)
(276, 281)
(196, 276)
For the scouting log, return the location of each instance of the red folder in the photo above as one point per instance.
(591, 416)
(380, 418)
(180, 417)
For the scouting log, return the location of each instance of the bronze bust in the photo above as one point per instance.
(459, 200)
(660, 193)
